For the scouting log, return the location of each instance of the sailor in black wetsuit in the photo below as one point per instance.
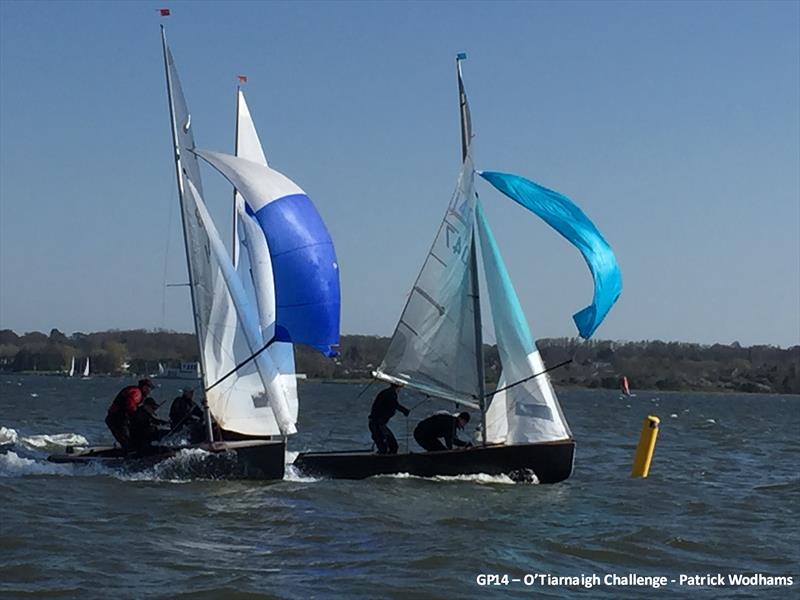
(442, 425)
(383, 409)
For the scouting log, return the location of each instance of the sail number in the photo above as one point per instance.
(455, 241)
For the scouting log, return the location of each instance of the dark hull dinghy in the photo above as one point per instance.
(251, 459)
(543, 463)
(245, 335)
(437, 345)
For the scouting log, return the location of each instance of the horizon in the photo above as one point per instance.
(596, 340)
(680, 143)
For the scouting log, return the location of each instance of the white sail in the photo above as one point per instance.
(238, 404)
(248, 146)
(72, 367)
(434, 347)
(526, 412)
(86, 368)
(246, 323)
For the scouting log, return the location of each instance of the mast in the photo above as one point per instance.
(178, 171)
(466, 134)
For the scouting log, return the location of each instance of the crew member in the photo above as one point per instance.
(383, 409)
(185, 414)
(145, 426)
(123, 407)
(441, 426)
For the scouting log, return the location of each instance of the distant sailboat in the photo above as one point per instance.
(71, 371)
(251, 306)
(85, 374)
(625, 387)
(437, 345)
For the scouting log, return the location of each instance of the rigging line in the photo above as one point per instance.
(366, 387)
(240, 365)
(516, 383)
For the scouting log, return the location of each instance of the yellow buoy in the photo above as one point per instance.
(646, 447)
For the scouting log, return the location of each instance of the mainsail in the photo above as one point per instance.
(433, 348)
(527, 411)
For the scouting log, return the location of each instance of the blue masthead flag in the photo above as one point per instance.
(564, 216)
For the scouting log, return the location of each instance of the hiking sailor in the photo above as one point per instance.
(383, 409)
(441, 426)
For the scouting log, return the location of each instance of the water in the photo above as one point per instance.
(723, 497)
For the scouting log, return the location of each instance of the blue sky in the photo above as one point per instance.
(675, 126)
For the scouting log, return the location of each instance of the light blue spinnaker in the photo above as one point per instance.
(564, 216)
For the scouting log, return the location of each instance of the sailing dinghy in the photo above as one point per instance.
(279, 286)
(437, 345)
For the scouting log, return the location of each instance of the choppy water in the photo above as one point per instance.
(723, 497)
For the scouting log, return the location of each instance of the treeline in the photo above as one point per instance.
(647, 364)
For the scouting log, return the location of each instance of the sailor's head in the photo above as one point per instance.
(187, 393)
(396, 386)
(146, 385)
(462, 419)
(150, 405)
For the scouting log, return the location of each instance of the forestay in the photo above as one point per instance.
(528, 412)
(433, 348)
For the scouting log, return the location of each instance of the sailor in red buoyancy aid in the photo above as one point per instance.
(123, 408)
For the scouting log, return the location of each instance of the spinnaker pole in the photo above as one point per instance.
(466, 135)
(178, 173)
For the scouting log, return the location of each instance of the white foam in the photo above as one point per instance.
(13, 465)
(481, 478)
(8, 436)
(54, 441)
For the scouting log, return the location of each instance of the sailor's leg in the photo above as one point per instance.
(376, 429)
(391, 442)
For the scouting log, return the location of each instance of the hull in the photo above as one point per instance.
(551, 462)
(252, 459)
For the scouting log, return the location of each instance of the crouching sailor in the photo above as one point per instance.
(123, 408)
(186, 416)
(383, 409)
(441, 426)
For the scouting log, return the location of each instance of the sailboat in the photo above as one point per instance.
(85, 374)
(279, 286)
(625, 387)
(71, 372)
(437, 346)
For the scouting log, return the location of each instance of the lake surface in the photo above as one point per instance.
(723, 497)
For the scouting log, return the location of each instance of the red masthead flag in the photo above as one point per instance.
(164, 12)
(242, 78)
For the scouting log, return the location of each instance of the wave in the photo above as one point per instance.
(14, 465)
(8, 436)
(55, 441)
